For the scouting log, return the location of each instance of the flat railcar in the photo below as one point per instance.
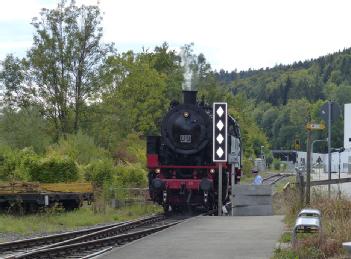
(31, 197)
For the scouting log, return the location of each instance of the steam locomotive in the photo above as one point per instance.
(182, 174)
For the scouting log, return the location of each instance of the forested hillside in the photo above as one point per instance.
(287, 96)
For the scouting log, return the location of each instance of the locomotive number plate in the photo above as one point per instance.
(185, 138)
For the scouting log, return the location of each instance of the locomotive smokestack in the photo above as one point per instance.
(189, 97)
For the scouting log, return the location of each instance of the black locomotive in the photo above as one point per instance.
(181, 171)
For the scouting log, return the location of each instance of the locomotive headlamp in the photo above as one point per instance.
(212, 171)
(186, 114)
(158, 170)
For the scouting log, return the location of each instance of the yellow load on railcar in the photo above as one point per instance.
(31, 187)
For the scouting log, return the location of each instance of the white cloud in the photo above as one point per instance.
(19, 10)
(231, 33)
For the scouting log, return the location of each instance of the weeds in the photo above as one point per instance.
(336, 222)
(54, 221)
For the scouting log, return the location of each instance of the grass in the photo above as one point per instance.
(336, 222)
(278, 186)
(61, 221)
(285, 237)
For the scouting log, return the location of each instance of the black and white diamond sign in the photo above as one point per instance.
(220, 122)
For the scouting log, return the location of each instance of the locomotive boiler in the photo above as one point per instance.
(182, 174)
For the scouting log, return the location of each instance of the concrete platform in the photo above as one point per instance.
(208, 238)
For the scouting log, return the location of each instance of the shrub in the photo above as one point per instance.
(276, 164)
(79, 147)
(100, 172)
(24, 128)
(131, 150)
(53, 170)
(14, 164)
(131, 176)
(7, 166)
(247, 166)
(336, 213)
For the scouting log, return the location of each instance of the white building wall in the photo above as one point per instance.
(345, 160)
(347, 126)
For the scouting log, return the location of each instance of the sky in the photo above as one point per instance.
(232, 34)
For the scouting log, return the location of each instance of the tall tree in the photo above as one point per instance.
(12, 77)
(66, 55)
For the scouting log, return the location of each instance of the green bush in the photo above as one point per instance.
(247, 166)
(100, 172)
(14, 163)
(131, 176)
(53, 170)
(79, 147)
(7, 166)
(276, 164)
(131, 150)
(24, 128)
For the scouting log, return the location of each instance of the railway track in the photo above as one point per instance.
(87, 243)
(272, 179)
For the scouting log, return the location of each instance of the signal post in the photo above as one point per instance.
(219, 140)
(310, 127)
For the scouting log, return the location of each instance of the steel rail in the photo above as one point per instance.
(273, 178)
(70, 249)
(51, 240)
(27, 243)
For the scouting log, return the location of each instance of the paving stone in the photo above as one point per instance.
(208, 238)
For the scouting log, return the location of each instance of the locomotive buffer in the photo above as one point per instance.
(219, 140)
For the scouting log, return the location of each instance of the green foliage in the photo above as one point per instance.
(53, 170)
(247, 167)
(288, 96)
(78, 147)
(57, 222)
(61, 69)
(7, 165)
(12, 77)
(130, 176)
(100, 172)
(141, 91)
(137, 89)
(15, 164)
(252, 136)
(276, 164)
(25, 128)
(280, 253)
(104, 174)
(131, 150)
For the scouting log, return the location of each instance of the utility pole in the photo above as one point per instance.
(232, 184)
(329, 111)
(329, 145)
(308, 180)
(220, 176)
(310, 127)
